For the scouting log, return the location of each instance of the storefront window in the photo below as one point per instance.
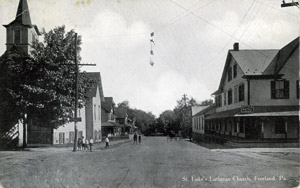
(241, 126)
(279, 125)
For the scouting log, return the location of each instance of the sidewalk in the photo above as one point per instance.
(261, 150)
(96, 146)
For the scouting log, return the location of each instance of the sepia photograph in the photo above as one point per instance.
(149, 94)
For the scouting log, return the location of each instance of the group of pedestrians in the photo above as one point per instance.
(85, 144)
(136, 138)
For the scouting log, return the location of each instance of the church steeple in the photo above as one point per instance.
(23, 14)
(21, 32)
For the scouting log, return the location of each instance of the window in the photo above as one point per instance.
(297, 89)
(280, 89)
(234, 128)
(218, 100)
(99, 112)
(79, 134)
(235, 94)
(79, 113)
(229, 96)
(71, 136)
(224, 98)
(229, 74)
(279, 126)
(234, 70)
(241, 92)
(17, 36)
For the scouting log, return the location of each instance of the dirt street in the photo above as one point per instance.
(154, 163)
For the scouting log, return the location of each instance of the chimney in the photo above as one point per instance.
(236, 46)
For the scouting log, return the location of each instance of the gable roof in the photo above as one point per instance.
(282, 57)
(96, 77)
(107, 104)
(252, 62)
(196, 109)
(207, 110)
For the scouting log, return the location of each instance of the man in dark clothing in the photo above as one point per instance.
(134, 138)
(140, 139)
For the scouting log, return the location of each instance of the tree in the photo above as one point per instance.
(183, 112)
(206, 102)
(143, 120)
(39, 87)
(167, 120)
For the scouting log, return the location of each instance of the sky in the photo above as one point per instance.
(192, 38)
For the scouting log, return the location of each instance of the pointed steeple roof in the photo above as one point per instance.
(23, 14)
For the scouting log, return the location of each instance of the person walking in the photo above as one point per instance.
(91, 143)
(83, 143)
(87, 143)
(106, 143)
(79, 143)
(135, 138)
(140, 139)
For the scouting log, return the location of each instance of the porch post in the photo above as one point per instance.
(262, 128)
(286, 124)
(237, 128)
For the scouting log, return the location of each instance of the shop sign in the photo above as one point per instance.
(75, 119)
(247, 109)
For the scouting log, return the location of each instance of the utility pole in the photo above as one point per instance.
(284, 4)
(184, 98)
(76, 96)
(76, 119)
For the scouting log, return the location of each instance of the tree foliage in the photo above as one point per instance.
(41, 84)
(180, 118)
(143, 120)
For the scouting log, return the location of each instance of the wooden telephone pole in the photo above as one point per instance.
(76, 119)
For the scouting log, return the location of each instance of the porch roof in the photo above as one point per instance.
(265, 114)
(110, 124)
(228, 113)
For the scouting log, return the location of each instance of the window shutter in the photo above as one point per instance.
(297, 88)
(273, 90)
(286, 89)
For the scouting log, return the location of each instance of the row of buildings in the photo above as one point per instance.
(257, 101)
(99, 115)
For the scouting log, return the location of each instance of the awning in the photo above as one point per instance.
(265, 114)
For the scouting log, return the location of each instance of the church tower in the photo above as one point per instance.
(21, 32)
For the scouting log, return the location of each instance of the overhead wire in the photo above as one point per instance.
(178, 18)
(242, 20)
(216, 27)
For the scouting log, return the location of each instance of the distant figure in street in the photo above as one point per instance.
(135, 138)
(140, 139)
(83, 143)
(106, 143)
(79, 143)
(87, 143)
(91, 143)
